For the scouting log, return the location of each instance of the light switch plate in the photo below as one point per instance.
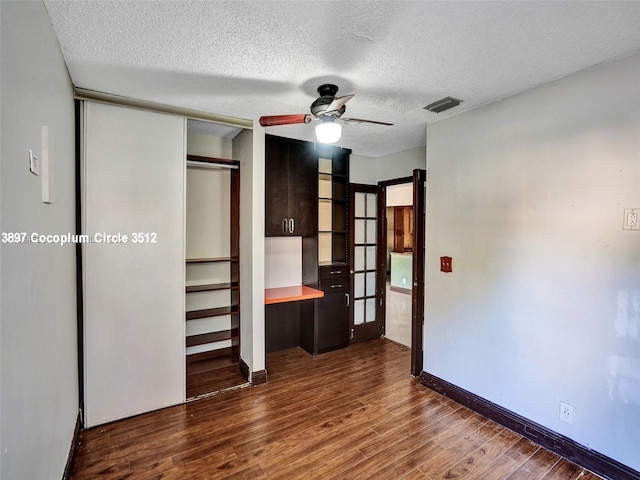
(34, 163)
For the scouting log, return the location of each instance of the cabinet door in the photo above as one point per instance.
(291, 188)
(133, 183)
(333, 319)
(303, 188)
(333, 309)
(276, 187)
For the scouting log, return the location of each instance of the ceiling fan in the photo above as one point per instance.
(328, 108)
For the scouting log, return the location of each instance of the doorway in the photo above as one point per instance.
(399, 256)
(401, 222)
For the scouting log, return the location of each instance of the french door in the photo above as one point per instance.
(366, 321)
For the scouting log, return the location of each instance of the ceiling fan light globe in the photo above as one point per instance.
(328, 132)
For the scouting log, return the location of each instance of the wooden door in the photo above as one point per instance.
(366, 322)
(417, 293)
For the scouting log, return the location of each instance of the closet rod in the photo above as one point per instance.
(195, 164)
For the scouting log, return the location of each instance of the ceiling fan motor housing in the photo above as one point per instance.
(327, 94)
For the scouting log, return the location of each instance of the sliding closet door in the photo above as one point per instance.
(133, 186)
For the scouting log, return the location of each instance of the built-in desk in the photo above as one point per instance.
(285, 309)
(290, 294)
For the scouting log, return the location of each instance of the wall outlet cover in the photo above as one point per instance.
(446, 264)
(631, 219)
(567, 412)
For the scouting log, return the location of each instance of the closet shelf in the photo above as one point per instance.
(212, 312)
(212, 337)
(212, 260)
(212, 286)
(213, 160)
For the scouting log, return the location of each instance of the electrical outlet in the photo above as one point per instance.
(631, 219)
(566, 412)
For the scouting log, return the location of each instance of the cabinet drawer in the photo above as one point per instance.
(335, 285)
(333, 271)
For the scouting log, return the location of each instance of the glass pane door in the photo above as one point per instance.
(365, 324)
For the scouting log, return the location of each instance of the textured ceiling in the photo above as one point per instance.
(248, 58)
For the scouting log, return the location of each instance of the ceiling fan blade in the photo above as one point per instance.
(275, 120)
(361, 120)
(338, 103)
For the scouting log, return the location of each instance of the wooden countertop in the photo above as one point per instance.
(290, 294)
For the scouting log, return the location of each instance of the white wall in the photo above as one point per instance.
(400, 195)
(208, 145)
(208, 217)
(363, 169)
(401, 164)
(543, 305)
(371, 170)
(39, 383)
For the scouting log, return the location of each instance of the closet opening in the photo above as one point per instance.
(212, 263)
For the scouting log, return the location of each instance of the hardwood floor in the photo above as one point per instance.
(350, 414)
(207, 376)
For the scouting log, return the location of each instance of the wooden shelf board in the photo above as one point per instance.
(212, 337)
(225, 161)
(212, 260)
(225, 355)
(212, 312)
(211, 287)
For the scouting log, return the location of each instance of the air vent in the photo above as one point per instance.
(443, 104)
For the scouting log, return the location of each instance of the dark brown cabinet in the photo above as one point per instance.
(291, 187)
(326, 327)
(332, 317)
(333, 310)
(307, 194)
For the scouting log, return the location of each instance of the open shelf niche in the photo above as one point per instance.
(212, 274)
(333, 195)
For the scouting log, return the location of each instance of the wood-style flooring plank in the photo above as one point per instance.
(499, 469)
(347, 414)
(536, 467)
(467, 441)
(480, 458)
(564, 470)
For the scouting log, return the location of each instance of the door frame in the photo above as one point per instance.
(418, 179)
